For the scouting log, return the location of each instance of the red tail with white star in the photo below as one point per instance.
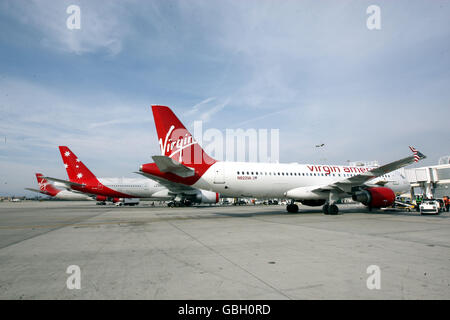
(76, 170)
(45, 186)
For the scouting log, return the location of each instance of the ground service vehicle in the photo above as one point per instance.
(429, 206)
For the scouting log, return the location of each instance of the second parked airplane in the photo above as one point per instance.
(83, 180)
(184, 163)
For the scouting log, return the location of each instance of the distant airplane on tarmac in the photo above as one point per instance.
(184, 162)
(56, 190)
(81, 179)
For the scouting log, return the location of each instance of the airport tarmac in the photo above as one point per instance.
(246, 252)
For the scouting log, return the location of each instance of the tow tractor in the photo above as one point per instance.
(404, 205)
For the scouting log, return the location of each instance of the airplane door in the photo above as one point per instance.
(219, 173)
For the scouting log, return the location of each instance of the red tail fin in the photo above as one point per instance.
(76, 170)
(175, 140)
(46, 187)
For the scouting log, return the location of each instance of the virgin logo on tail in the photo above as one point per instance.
(176, 142)
(45, 186)
(41, 182)
(167, 148)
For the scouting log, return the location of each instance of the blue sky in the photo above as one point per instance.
(309, 68)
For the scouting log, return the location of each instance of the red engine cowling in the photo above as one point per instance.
(115, 200)
(376, 197)
(203, 196)
(101, 198)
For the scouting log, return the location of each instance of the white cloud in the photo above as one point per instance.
(312, 70)
(206, 115)
(37, 122)
(195, 109)
(102, 24)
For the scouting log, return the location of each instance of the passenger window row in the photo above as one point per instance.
(124, 186)
(298, 174)
(286, 173)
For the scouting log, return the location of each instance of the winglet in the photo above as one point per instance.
(417, 154)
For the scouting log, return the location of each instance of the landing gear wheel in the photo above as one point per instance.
(292, 208)
(333, 209)
(330, 209)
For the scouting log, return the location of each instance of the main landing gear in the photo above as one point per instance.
(185, 203)
(292, 208)
(330, 209)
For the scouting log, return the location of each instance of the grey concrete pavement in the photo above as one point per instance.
(248, 252)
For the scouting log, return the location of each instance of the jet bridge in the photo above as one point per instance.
(434, 180)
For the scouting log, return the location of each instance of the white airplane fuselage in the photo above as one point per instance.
(273, 180)
(71, 196)
(136, 188)
(183, 161)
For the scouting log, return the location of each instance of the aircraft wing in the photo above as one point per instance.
(173, 187)
(346, 185)
(382, 183)
(67, 183)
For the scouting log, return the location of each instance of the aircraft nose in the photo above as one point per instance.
(140, 167)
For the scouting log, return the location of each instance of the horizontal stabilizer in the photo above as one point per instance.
(166, 164)
(173, 187)
(65, 182)
(36, 190)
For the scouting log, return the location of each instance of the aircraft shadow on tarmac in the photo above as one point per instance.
(251, 214)
(281, 211)
(341, 212)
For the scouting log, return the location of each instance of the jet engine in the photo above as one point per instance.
(101, 198)
(376, 197)
(203, 196)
